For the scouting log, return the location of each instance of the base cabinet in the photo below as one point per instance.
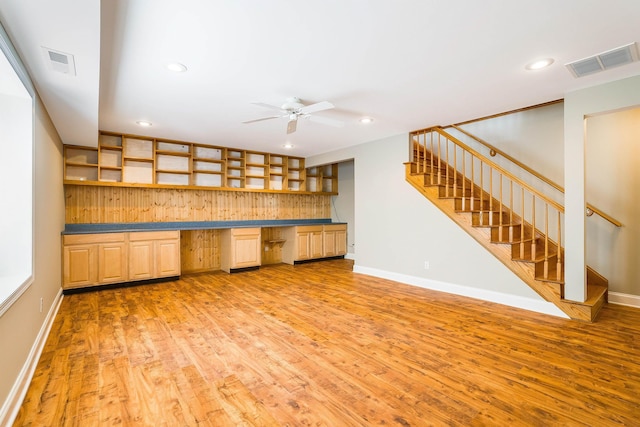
(93, 259)
(240, 248)
(98, 259)
(154, 254)
(308, 242)
(335, 240)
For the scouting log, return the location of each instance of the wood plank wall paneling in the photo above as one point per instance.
(199, 250)
(95, 205)
(271, 252)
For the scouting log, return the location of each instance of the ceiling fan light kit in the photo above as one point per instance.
(293, 109)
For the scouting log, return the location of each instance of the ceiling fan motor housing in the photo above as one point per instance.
(292, 104)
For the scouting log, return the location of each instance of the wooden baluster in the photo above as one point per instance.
(522, 215)
(510, 202)
(473, 190)
(534, 245)
(464, 179)
(500, 222)
(446, 163)
(481, 188)
(424, 148)
(431, 156)
(491, 196)
(559, 257)
(546, 241)
(439, 158)
(455, 170)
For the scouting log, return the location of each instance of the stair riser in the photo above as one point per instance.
(510, 234)
(486, 219)
(470, 205)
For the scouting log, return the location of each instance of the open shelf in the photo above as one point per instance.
(122, 159)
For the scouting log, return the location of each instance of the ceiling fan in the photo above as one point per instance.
(293, 109)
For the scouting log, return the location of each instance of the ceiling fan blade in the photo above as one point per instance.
(326, 121)
(291, 126)
(319, 106)
(264, 118)
(269, 106)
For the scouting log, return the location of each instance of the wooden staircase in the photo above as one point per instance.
(519, 225)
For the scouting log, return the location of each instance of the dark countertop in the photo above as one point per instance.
(188, 225)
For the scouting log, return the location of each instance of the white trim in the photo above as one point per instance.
(11, 405)
(350, 255)
(624, 299)
(538, 306)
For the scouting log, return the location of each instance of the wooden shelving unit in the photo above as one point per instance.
(122, 159)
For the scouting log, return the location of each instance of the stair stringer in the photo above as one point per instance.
(549, 290)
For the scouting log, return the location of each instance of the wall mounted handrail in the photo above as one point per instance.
(497, 167)
(533, 172)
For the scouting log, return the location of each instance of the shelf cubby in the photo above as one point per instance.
(122, 159)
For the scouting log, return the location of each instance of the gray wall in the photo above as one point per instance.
(397, 230)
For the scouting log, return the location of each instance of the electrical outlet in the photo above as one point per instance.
(41, 304)
(426, 265)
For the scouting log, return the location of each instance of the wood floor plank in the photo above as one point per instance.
(316, 344)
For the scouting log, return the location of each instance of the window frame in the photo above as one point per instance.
(14, 60)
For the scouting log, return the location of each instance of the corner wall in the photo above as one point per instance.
(579, 105)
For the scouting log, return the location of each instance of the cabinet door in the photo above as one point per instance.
(341, 242)
(329, 243)
(112, 263)
(245, 250)
(315, 244)
(167, 254)
(303, 245)
(80, 266)
(141, 260)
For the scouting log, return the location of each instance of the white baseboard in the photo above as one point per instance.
(350, 255)
(538, 306)
(624, 299)
(11, 406)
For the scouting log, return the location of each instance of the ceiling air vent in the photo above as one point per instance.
(604, 61)
(59, 61)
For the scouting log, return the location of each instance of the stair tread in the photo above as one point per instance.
(594, 293)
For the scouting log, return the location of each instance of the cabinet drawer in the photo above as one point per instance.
(335, 227)
(308, 228)
(83, 239)
(153, 235)
(245, 231)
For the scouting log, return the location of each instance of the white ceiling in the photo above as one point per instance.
(408, 64)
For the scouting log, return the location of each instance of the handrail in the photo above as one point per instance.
(534, 173)
(497, 167)
(508, 157)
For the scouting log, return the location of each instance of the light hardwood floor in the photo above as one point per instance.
(317, 345)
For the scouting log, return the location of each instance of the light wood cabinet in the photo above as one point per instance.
(103, 258)
(240, 248)
(335, 240)
(154, 254)
(112, 262)
(308, 242)
(94, 259)
(122, 159)
(80, 266)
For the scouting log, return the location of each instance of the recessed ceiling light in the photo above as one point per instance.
(288, 146)
(177, 67)
(538, 64)
(143, 123)
(366, 120)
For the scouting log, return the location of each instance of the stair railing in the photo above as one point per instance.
(517, 213)
(590, 209)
